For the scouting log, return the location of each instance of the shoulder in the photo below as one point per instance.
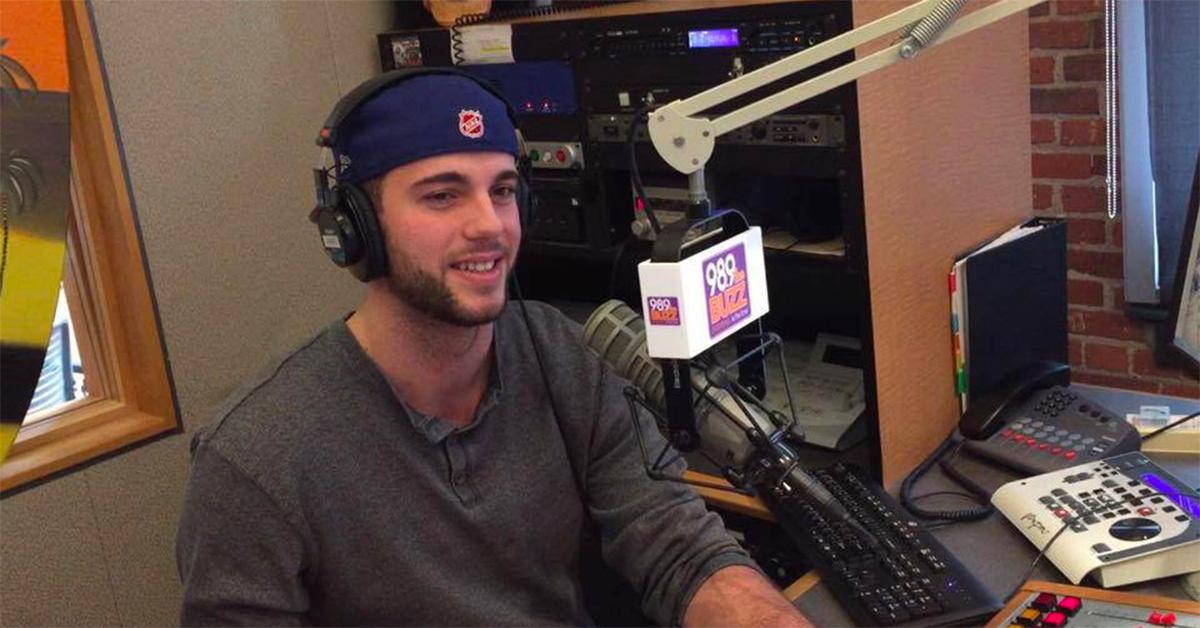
(544, 322)
(533, 335)
(265, 427)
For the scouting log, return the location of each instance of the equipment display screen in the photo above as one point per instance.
(1185, 502)
(717, 38)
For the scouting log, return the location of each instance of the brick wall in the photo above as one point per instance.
(1066, 76)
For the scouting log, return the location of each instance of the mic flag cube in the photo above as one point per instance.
(694, 303)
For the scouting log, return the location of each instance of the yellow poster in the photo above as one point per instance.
(34, 195)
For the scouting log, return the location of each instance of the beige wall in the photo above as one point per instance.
(217, 105)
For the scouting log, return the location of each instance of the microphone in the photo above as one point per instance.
(737, 434)
(618, 335)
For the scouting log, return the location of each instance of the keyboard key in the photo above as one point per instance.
(894, 582)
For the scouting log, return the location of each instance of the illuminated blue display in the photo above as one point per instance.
(717, 38)
(1185, 502)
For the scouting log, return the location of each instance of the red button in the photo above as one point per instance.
(1006, 433)
(1018, 439)
(1070, 455)
(1056, 451)
(1031, 442)
(1155, 618)
(1056, 619)
(1169, 619)
(1070, 605)
(1145, 511)
(562, 156)
(1044, 602)
(1044, 446)
(1060, 513)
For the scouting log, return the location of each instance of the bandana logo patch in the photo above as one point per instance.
(470, 123)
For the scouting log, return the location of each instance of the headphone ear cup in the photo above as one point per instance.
(356, 204)
(339, 237)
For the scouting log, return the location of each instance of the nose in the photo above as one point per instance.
(485, 219)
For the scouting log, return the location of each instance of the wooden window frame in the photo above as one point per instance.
(131, 396)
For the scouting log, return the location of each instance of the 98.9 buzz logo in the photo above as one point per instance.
(663, 310)
(727, 291)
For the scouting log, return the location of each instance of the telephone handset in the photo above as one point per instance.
(984, 415)
(1034, 423)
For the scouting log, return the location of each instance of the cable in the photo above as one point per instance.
(616, 265)
(631, 148)
(1067, 523)
(1169, 426)
(1111, 110)
(937, 493)
(944, 454)
(537, 355)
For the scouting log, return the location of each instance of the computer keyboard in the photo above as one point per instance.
(908, 578)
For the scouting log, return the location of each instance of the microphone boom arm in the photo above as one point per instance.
(685, 141)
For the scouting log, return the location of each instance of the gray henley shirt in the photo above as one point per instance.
(317, 496)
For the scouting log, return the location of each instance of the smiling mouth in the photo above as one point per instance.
(476, 267)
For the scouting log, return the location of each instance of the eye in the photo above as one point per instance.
(440, 198)
(505, 192)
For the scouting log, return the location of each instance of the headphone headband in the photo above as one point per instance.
(365, 91)
(344, 214)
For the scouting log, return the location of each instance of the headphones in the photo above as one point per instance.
(345, 215)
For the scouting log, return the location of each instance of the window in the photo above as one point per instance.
(62, 380)
(1158, 49)
(113, 324)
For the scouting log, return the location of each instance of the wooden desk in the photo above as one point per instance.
(995, 551)
(1150, 602)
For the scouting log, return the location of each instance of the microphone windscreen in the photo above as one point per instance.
(617, 334)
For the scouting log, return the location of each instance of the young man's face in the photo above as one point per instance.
(452, 229)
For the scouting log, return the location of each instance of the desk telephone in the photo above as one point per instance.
(1033, 423)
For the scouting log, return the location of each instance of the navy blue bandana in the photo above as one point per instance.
(421, 117)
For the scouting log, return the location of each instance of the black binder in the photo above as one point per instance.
(1015, 297)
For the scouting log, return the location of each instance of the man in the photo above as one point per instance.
(408, 465)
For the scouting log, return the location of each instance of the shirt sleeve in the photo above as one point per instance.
(240, 560)
(658, 534)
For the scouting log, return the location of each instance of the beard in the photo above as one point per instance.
(431, 296)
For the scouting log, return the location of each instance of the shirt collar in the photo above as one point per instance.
(433, 428)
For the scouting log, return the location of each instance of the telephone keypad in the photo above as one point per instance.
(1055, 429)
